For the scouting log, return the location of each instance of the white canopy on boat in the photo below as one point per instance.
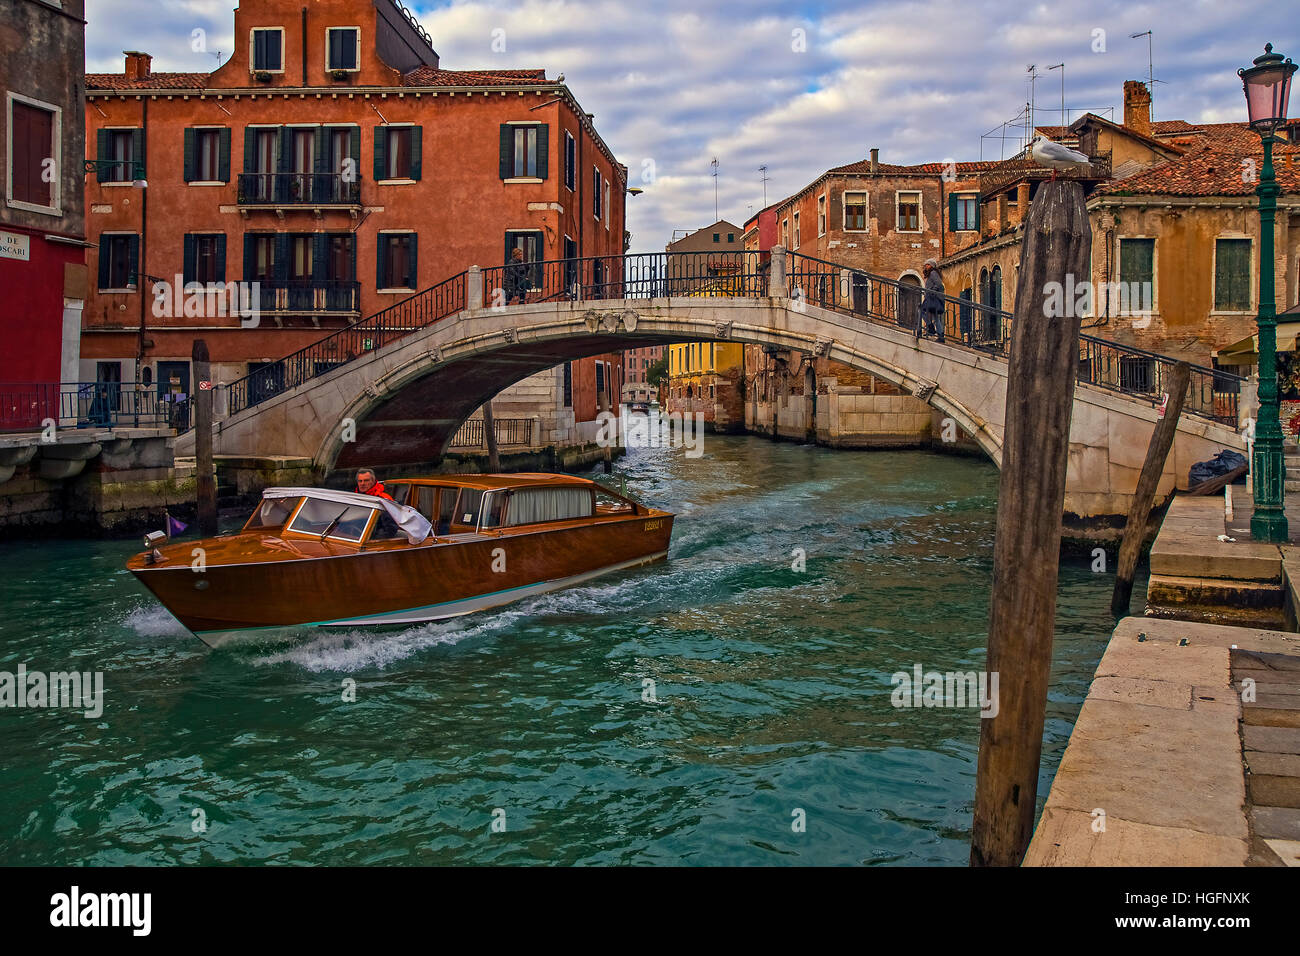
(415, 526)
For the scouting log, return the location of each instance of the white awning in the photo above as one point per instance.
(415, 526)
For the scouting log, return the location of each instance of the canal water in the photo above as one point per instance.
(800, 579)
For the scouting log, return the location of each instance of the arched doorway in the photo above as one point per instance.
(909, 302)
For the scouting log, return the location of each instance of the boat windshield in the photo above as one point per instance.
(272, 513)
(334, 520)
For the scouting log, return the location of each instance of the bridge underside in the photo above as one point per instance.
(414, 426)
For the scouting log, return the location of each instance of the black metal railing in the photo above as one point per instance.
(634, 276)
(398, 320)
(295, 189)
(508, 431)
(308, 295)
(30, 407)
(1110, 365)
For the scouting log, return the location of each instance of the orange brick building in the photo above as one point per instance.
(335, 162)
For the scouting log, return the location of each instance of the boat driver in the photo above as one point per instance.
(368, 485)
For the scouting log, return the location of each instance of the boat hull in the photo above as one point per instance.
(408, 585)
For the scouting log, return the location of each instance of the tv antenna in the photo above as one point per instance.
(1065, 119)
(714, 164)
(763, 179)
(1151, 70)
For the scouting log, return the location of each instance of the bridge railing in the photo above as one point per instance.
(25, 407)
(635, 276)
(1110, 365)
(399, 319)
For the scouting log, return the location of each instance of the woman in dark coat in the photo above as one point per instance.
(932, 304)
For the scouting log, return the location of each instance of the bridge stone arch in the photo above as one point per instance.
(411, 396)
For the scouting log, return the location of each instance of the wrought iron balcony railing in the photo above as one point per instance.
(280, 296)
(298, 189)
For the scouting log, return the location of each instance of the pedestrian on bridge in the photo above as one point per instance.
(932, 304)
(517, 281)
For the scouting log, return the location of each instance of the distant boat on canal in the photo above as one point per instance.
(443, 547)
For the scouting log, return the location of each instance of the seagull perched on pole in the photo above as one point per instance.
(1055, 156)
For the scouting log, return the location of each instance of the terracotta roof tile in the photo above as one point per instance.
(155, 81)
(426, 76)
(1214, 168)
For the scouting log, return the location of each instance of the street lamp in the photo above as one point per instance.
(1267, 85)
(137, 170)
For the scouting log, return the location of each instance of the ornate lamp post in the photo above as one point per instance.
(1267, 85)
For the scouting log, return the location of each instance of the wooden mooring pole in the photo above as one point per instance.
(205, 470)
(490, 439)
(1162, 439)
(1031, 499)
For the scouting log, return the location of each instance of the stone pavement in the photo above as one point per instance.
(1155, 773)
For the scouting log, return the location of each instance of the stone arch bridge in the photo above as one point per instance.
(410, 376)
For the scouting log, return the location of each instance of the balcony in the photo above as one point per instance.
(300, 191)
(310, 297)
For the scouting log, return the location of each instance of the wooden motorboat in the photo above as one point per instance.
(444, 546)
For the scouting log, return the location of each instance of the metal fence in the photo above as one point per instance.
(27, 407)
(508, 431)
(290, 189)
(1110, 365)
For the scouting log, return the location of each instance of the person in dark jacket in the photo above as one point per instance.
(932, 304)
(517, 280)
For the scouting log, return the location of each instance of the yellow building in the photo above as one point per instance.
(706, 378)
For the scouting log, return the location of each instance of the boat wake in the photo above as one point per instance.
(153, 620)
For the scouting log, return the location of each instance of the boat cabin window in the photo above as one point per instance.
(272, 513)
(385, 529)
(346, 522)
(398, 492)
(467, 508)
(494, 506)
(535, 505)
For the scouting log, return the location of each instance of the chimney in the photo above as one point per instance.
(875, 160)
(137, 65)
(1137, 107)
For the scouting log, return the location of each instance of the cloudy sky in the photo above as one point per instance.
(798, 87)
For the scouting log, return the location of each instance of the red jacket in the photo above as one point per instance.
(377, 489)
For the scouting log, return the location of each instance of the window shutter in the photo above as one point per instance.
(281, 270)
(249, 253)
(417, 150)
(543, 151)
(250, 149)
(952, 212)
(285, 151)
(381, 153)
(381, 261)
(137, 153)
(354, 149)
(413, 275)
(352, 247)
(189, 265)
(321, 162)
(102, 153)
(834, 218)
(223, 154)
(977, 212)
(133, 258)
(221, 257)
(189, 156)
(319, 251)
(507, 159)
(104, 243)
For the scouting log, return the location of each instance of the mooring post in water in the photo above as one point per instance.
(1162, 439)
(205, 471)
(490, 438)
(1031, 499)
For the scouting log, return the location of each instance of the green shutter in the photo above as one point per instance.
(133, 270)
(1232, 275)
(321, 162)
(381, 259)
(102, 153)
(417, 150)
(284, 159)
(189, 156)
(249, 253)
(507, 145)
(281, 266)
(221, 257)
(352, 247)
(223, 154)
(413, 274)
(189, 266)
(952, 212)
(355, 150)
(250, 149)
(319, 252)
(381, 153)
(543, 151)
(138, 152)
(977, 213)
(104, 243)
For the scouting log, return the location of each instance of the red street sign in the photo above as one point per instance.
(205, 386)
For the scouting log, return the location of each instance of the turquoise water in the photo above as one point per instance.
(772, 686)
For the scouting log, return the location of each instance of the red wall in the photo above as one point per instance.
(31, 310)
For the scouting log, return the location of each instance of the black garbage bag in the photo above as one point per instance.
(1222, 463)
